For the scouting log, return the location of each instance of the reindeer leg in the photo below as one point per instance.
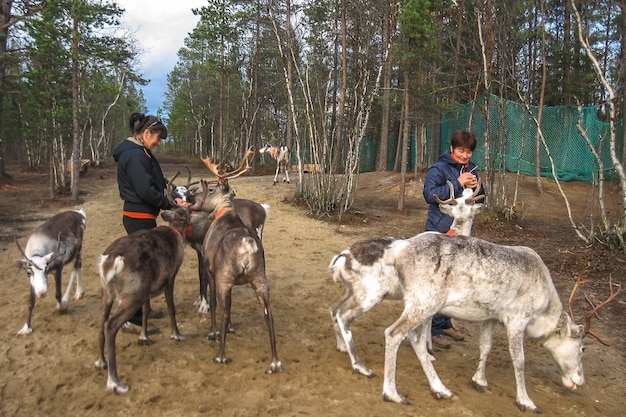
(263, 296)
(78, 270)
(286, 173)
(171, 309)
(344, 314)
(145, 313)
(276, 174)
(485, 340)
(225, 301)
(515, 337)
(111, 328)
(202, 303)
(62, 300)
(27, 329)
(212, 305)
(107, 305)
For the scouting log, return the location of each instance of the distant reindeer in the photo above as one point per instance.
(472, 279)
(133, 269)
(368, 280)
(53, 244)
(233, 255)
(282, 156)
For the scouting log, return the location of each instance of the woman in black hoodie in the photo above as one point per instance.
(139, 175)
(141, 181)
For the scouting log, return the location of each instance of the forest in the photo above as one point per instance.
(317, 76)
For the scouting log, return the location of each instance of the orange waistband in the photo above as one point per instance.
(139, 215)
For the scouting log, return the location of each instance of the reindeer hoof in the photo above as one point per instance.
(479, 387)
(524, 408)
(177, 336)
(118, 388)
(361, 370)
(400, 400)
(275, 366)
(25, 331)
(222, 360)
(144, 341)
(100, 364)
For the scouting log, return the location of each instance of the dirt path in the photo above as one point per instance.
(51, 372)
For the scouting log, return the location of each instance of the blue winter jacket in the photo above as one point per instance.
(445, 169)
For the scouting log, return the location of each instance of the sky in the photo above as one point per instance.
(160, 27)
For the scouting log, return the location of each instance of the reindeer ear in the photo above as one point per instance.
(54, 259)
(562, 327)
(21, 263)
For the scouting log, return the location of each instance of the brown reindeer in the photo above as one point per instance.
(133, 269)
(233, 255)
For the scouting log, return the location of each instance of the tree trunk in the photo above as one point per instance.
(6, 18)
(405, 142)
(76, 148)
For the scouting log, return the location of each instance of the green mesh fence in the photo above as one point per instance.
(513, 132)
(512, 140)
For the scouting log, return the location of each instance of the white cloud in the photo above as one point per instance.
(160, 26)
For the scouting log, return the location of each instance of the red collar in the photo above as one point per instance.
(222, 211)
(451, 232)
(179, 234)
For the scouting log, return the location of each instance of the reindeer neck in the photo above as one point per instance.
(463, 228)
(222, 210)
(224, 207)
(181, 229)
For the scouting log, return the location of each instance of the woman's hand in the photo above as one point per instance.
(467, 180)
(182, 203)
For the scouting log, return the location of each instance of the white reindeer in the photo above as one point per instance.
(282, 156)
(367, 280)
(52, 245)
(472, 279)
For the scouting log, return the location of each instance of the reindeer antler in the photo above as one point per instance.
(450, 199)
(475, 197)
(612, 295)
(221, 177)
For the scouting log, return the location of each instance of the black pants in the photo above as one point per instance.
(439, 323)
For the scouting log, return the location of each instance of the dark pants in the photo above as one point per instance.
(439, 323)
(132, 225)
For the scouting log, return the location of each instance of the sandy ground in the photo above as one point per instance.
(51, 372)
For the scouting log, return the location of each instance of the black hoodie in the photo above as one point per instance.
(140, 178)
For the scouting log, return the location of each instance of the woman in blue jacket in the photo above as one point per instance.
(454, 166)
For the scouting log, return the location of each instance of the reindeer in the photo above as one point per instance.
(367, 280)
(282, 156)
(133, 269)
(183, 192)
(472, 279)
(53, 244)
(252, 214)
(233, 255)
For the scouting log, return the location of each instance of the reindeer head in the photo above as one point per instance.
(462, 209)
(566, 346)
(217, 194)
(37, 267)
(184, 192)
